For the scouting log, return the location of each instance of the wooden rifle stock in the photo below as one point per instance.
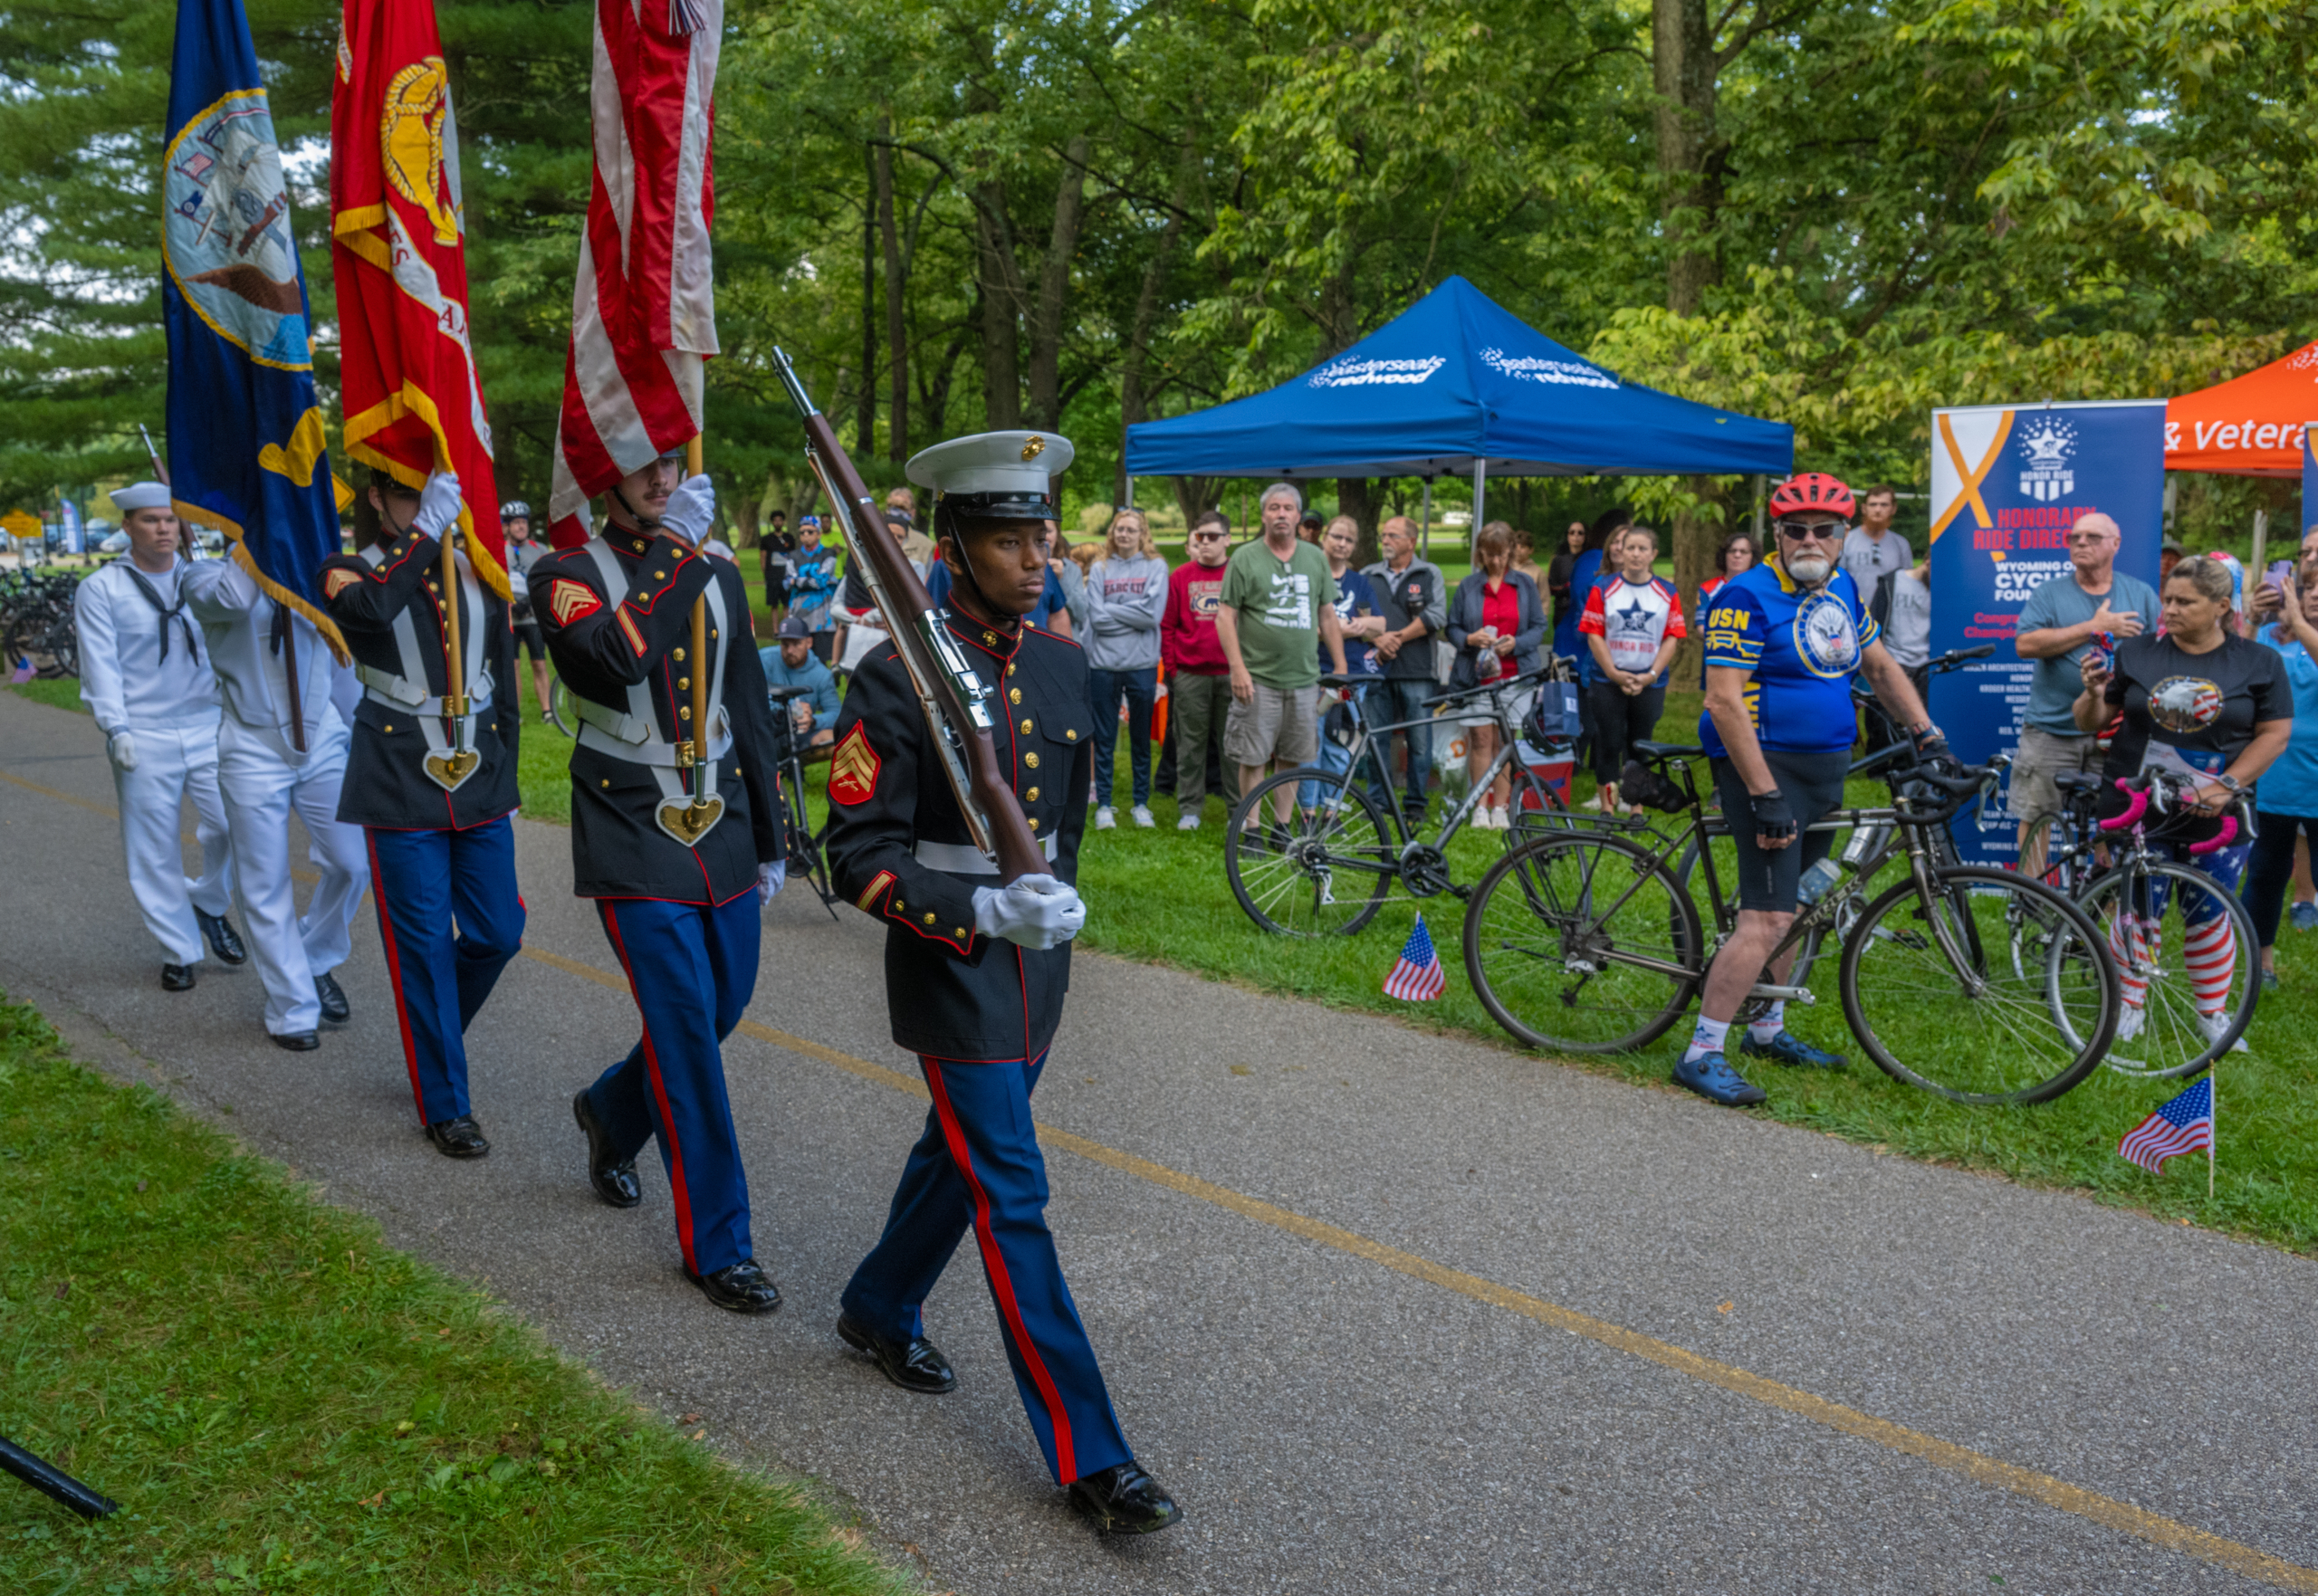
(954, 701)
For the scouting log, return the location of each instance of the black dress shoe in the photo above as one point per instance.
(613, 1177)
(222, 939)
(298, 1041)
(743, 1287)
(915, 1365)
(1124, 1501)
(333, 1000)
(458, 1138)
(177, 978)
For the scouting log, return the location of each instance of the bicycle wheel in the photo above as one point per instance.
(1583, 945)
(1931, 991)
(1324, 871)
(2171, 990)
(561, 709)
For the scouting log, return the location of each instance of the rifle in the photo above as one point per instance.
(954, 699)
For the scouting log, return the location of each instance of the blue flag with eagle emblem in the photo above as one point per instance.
(244, 421)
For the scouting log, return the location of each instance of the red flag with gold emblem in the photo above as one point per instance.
(414, 403)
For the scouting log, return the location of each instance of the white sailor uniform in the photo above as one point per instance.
(263, 776)
(145, 677)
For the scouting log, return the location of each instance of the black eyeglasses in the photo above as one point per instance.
(1828, 532)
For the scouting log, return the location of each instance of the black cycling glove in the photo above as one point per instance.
(1930, 744)
(1773, 821)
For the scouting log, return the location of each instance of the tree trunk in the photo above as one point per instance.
(1354, 500)
(1001, 301)
(1694, 535)
(1054, 284)
(865, 443)
(896, 333)
(1683, 72)
(1138, 352)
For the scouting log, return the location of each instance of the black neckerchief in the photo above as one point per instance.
(167, 612)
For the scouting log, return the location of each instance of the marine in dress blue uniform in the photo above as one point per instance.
(681, 908)
(433, 795)
(976, 973)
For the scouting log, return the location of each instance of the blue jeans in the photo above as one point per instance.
(1333, 755)
(1104, 690)
(1401, 698)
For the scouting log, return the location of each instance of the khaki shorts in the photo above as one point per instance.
(2041, 756)
(1280, 724)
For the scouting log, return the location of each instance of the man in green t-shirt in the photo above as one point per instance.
(1279, 609)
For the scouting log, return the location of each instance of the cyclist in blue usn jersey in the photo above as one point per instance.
(1782, 641)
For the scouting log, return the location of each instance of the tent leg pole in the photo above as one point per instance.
(1424, 536)
(1759, 480)
(1481, 501)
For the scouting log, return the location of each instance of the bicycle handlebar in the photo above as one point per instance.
(2157, 789)
(1540, 675)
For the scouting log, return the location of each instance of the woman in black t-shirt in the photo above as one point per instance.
(2212, 707)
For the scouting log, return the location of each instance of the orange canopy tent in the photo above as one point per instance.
(2250, 425)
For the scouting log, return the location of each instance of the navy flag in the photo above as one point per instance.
(245, 423)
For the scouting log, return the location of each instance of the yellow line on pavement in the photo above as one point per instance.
(1977, 1466)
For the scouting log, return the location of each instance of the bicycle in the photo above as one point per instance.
(37, 625)
(807, 850)
(2143, 901)
(1287, 874)
(1584, 942)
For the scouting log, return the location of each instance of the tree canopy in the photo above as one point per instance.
(984, 213)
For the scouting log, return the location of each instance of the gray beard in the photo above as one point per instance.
(1811, 573)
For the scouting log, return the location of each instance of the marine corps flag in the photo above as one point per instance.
(643, 311)
(245, 425)
(413, 404)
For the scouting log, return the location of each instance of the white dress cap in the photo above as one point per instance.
(1007, 465)
(141, 496)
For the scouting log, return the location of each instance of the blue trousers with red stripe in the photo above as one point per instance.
(979, 1164)
(692, 969)
(450, 917)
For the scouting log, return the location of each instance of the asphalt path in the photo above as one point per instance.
(1387, 1311)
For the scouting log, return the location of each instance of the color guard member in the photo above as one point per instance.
(975, 972)
(283, 746)
(148, 681)
(677, 862)
(432, 790)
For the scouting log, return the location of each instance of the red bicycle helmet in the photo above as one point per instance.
(1814, 489)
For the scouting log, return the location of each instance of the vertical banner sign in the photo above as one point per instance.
(2006, 485)
(2309, 479)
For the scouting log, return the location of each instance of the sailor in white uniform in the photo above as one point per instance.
(146, 678)
(280, 750)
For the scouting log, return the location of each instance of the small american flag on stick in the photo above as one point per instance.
(2182, 1126)
(1416, 975)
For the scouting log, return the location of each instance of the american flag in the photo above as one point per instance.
(643, 312)
(1416, 975)
(2182, 1126)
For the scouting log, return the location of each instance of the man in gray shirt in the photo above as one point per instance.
(2094, 604)
(1873, 552)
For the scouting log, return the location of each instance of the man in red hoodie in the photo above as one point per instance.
(1199, 678)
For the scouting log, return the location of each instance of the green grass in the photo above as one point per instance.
(280, 1401)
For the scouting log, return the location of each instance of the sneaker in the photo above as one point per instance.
(2269, 980)
(2130, 1017)
(1142, 813)
(1786, 1047)
(2217, 1025)
(2304, 916)
(1106, 818)
(1189, 822)
(1711, 1078)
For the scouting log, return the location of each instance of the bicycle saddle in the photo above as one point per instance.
(1669, 750)
(2079, 780)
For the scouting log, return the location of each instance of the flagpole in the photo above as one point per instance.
(2213, 1122)
(453, 662)
(700, 740)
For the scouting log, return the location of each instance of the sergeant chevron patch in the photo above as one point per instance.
(853, 767)
(568, 600)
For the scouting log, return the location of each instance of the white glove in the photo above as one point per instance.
(120, 747)
(771, 879)
(1033, 912)
(692, 508)
(439, 504)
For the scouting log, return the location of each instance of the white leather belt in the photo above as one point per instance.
(650, 753)
(400, 693)
(957, 858)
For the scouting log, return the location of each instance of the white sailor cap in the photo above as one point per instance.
(141, 496)
(994, 476)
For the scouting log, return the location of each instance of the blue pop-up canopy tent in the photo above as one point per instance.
(1456, 385)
